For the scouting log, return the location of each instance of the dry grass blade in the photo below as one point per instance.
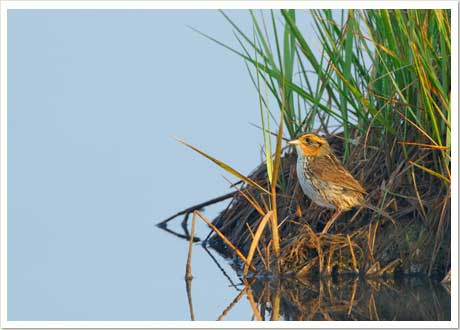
(317, 242)
(225, 239)
(225, 166)
(373, 269)
(417, 127)
(255, 241)
(303, 272)
(390, 267)
(331, 221)
(353, 257)
(259, 252)
(425, 145)
(251, 200)
(372, 234)
(329, 260)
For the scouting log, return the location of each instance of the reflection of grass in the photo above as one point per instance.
(381, 76)
(344, 299)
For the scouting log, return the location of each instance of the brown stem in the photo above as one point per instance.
(188, 268)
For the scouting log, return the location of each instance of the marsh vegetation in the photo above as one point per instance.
(378, 89)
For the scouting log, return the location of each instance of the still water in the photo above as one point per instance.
(344, 298)
(93, 100)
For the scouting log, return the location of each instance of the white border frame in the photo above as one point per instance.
(5, 5)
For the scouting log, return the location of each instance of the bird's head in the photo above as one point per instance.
(311, 145)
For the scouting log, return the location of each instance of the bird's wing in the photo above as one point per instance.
(330, 169)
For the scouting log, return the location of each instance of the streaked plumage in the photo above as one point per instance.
(322, 176)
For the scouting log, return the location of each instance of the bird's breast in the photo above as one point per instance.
(306, 182)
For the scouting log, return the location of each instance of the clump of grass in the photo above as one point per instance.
(379, 89)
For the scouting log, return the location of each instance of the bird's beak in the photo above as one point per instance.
(294, 142)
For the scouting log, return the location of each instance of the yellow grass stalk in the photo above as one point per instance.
(251, 300)
(255, 241)
(353, 257)
(259, 252)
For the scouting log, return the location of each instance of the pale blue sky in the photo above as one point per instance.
(93, 100)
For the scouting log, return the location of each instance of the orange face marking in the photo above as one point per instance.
(309, 149)
(311, 144)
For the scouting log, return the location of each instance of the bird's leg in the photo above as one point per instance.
(331, 221)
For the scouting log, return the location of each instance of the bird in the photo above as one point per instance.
(324, 179)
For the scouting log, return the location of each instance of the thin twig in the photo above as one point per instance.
(225, 239)
(197, 207)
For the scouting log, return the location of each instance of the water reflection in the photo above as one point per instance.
(188, 288)
(336, 298)
(344, 299)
